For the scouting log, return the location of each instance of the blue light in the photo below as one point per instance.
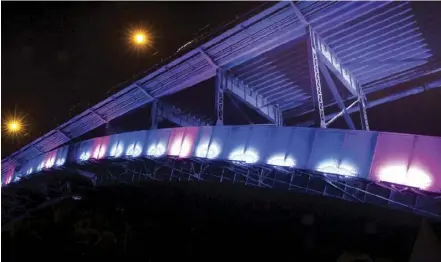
(134, 150)
(116, 150)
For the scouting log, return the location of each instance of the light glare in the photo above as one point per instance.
(84, 156)
(134, 150)
(280, 160)
(249, 157)
(210, 152)
(414, 177)
(156, 150)
(332, 167)
(116, 150)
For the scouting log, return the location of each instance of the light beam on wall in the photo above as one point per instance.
(210, 152)
(414, 177)
(280, 160)
(332, 167)
(250, 156)
(156, 150)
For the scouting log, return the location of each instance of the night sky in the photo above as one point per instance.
(59, 58)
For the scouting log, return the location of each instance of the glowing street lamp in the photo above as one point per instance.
(140, 38)
(14, 126)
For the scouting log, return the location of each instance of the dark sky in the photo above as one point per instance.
(56, 54)
(58, 58)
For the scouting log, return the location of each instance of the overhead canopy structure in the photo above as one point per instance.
(292, 59)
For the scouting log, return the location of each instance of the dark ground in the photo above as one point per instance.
(168, 221)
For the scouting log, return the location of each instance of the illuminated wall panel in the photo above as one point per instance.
(258, 142)
(277, 147)
(7, 178)
(357, 151)
(176, 141)
(188, 142)
(134, 143)
(84, 152)
(158, 142)
(202, 148)
(115, 146)
(235, 146)
(326, 152)
(100, 147)
(299, 146)
(391, 158)
(347, 153)
(61, 156)
(218, 140)
(425, 164)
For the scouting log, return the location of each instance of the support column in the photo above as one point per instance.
(154, 115)
(279, 116)
(314, 73)
(219, 97)
(362, 101)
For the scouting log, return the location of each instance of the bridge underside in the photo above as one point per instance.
(108, 172)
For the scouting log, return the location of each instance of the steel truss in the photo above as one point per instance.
(40, 191)
(265, 176)
(321, 56)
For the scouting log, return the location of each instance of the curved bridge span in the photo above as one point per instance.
(354, 165)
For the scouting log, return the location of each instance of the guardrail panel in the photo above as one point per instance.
(391, 158)
(357, 151)
(425, 166)
(202, 145)
(278, 146)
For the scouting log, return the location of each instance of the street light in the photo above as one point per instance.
(140, 38)
(14, 126)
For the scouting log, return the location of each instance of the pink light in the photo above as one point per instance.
(176, 147)
(50, 162)
(186, 148)
(414, 177)
(99, 151)
(9, 176)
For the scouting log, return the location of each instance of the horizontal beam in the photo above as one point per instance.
(174, 115)
(390, 98)
(251, 98)
(245, 93)
(98, 115)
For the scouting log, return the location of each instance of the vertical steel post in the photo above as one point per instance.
(362, 101)
(154, 115)
(314, 73)
(219, 97)
(279, 116)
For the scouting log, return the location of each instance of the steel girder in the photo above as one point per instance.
(226, 82)
(351, 109)
(352, 189)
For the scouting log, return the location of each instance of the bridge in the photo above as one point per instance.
(292, 66)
